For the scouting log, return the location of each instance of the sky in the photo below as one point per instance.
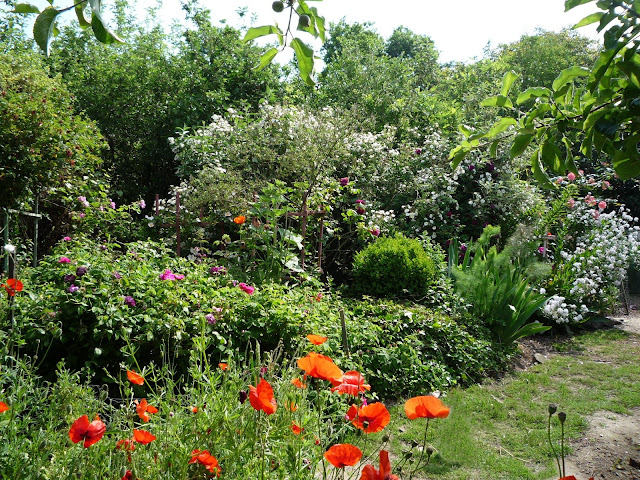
(460, 29)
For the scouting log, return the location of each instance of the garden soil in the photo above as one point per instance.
(610, 449)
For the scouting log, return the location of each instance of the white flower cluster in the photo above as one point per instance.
(590, 274)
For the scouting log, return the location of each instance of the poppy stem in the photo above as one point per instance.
(555, 454)
(424, 447)
(562, 448)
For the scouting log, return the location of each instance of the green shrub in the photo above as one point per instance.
(397, 267)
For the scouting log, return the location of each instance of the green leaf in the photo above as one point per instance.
(43, 28)
(497, 101)
(507, 82)
(550, 156)
(533, 92)
(82, 20)
(520, 144)
(493, 149)
(567, 75)
(627, 163)
(101, 31)
(569, 4)
(255, 32)
(320, 24)
(266, 57)
(569, 161)
(538, 172)
(457, 155)
(25, 8)
(588, 20)
(501, 125)
(304, 55)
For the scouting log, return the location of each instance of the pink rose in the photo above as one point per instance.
(246, 288)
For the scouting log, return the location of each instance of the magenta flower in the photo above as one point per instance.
(361, 202)
(571, 202)
(116, 275)
(360, 210)
(73, 289)
(218, 270)
(80, 271)
(418, 151)
(129, 300)
(83, 201)
(246, 288)
(344, 181)
(112, 204)
(541, 250)
(64, 260)
(211, 318)
(375, 232)
(66, 239)
(168, 275)
(69, 278)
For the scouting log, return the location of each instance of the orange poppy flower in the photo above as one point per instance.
(89, 432)
(316, 339)
(352, 384)
(320, 366)
(426, 406)
(298, 383)
(296, 429)
(142, 409)
(343, 454)
(372, 418)
(143, 437)
(239, 220)
(205, 458)
(223, 366)
(194, 409)
(369, 472)
(293, 407)
(3, 407)
(135, 377)
(13, 286)
(261, 397)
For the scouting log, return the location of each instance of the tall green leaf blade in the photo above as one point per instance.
(501, 125)
(567, 75)
(25, 8)
(304, 55)
(520, 144)
(589, 19)
(102, 33)
(320, 24)
(267, 57)
(569, 4)
(533, 92)
(82, 20)
(507, 82)
(43, 28)
(255, 32)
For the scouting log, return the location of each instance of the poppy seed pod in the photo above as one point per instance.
(562, 417)
(552, 408)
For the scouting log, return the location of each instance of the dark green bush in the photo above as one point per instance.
(397, 267)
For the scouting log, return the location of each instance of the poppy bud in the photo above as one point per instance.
(69, 409)
(243, 396)
(562, 417)
(552, 408)
(430, 450)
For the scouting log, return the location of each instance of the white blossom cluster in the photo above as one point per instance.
(590, 274)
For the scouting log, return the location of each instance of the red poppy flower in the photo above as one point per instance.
(352, 384)
(3, 407)
(261, 397)
(342, 455)
(13, 286)
(370, 473)
(142, 409)
(316, 339)
(571, 477)
(296, 429)
(426, 406)
(135, 377)
(320, 366)
(128, 475)
(89, 432)
(223, 366)
(239, 220)
(126, 445)
(205, 458)
(143, 437)
(298, 383)
(372, 418)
